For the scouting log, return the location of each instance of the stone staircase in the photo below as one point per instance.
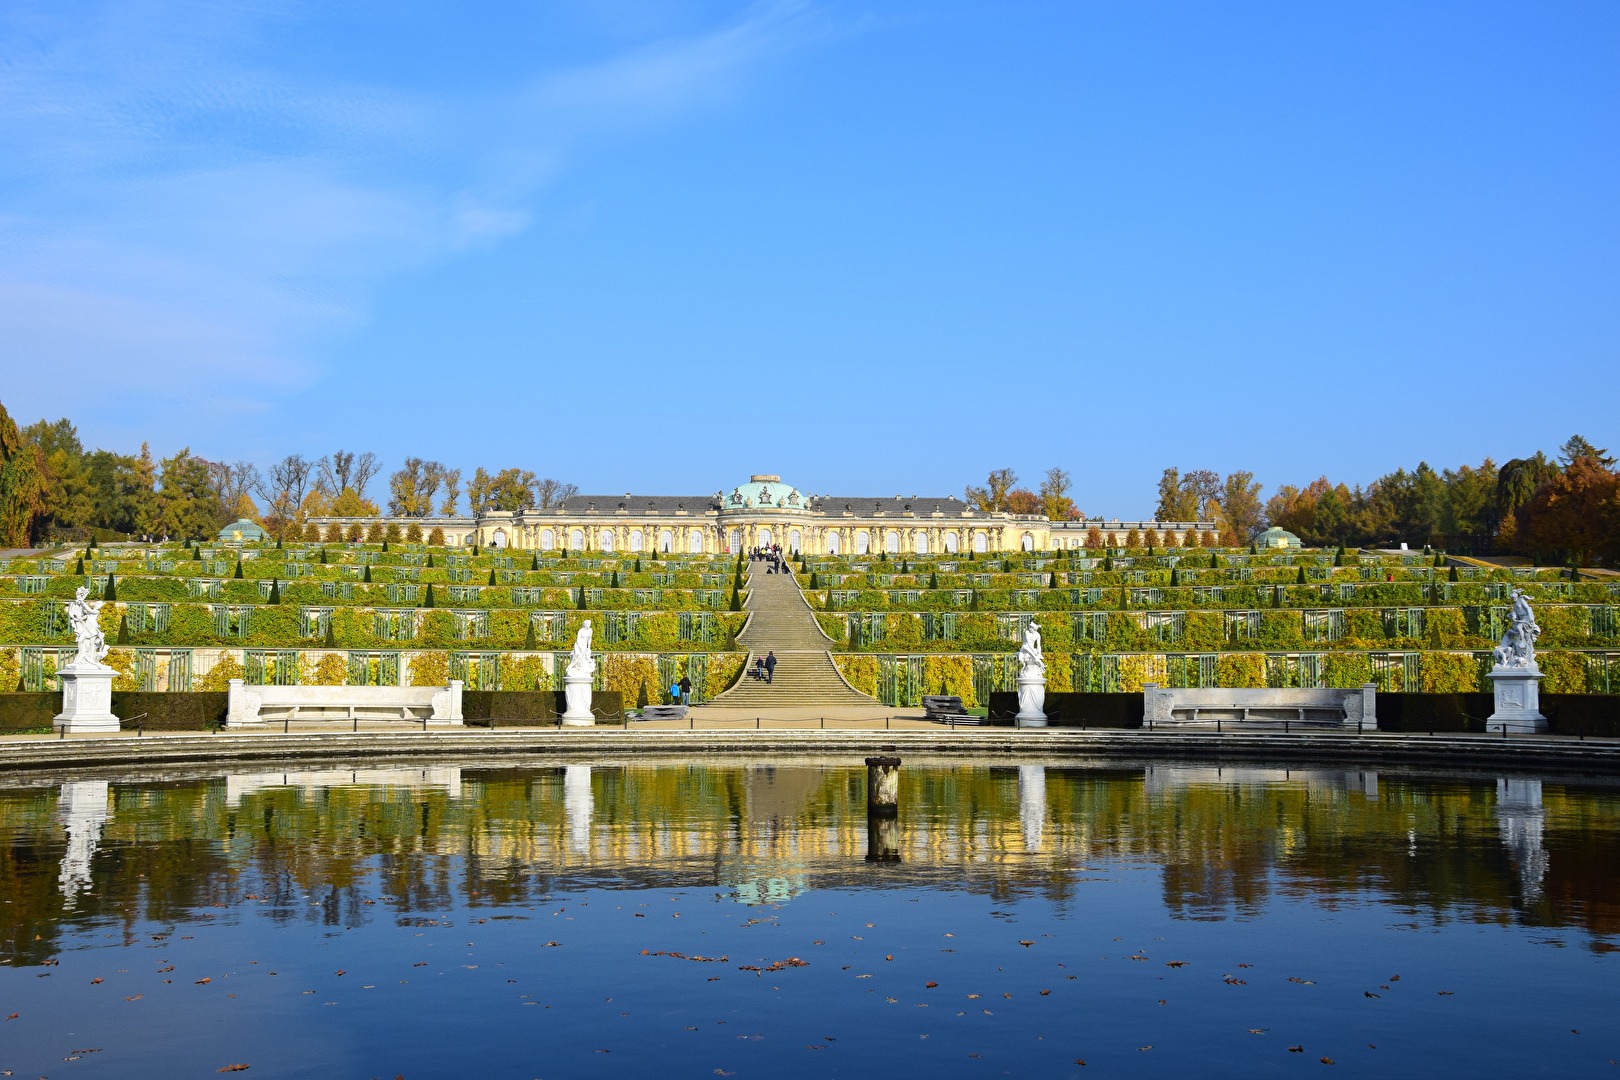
(782, 622)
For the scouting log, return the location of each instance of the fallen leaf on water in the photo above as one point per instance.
(930, 985)
(97, 982)
(13, 1016)
(1258, 1031)
(1328, 1061)
(1446, 993)
(1026, 944)
(135, 997)
(1296, 1049)
(551, 945)
(1369, 993)
(204, 981)
(1045, 993)
(1176, 963)
(1149, 1046)
(241, 1067)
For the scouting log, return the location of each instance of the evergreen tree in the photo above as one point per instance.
(365, 577)
(275, 591)
(1454, 575)
(615, 580)
(331, 637)
(196, 554)
(93, 540)
(736, 600)
(112, 589)
(534, 561)
(580, 590)
(123, 629)
(78, 570)
(528, 638)
(429, 601)
(323, 556)
(429, 562)
(1301, 578)
(492, 575)
(238, 575)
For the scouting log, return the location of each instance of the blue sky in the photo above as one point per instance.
(655, 245)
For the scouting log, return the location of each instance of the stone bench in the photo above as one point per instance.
(664, 712)
(942, 708)
(1261, 707)
(432, 706)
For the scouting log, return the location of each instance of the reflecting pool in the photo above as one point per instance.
(719, 919)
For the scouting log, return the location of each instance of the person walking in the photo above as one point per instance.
(674, 693)
(770, 667)
(685, 687)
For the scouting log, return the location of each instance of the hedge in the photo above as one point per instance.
(491, 708)
(194, 711)
(1074, 709)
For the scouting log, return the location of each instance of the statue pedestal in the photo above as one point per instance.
(86, 699)
(1031, 700)
(577, 694)
(1518, 701)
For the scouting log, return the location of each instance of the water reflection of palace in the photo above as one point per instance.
(351, 843)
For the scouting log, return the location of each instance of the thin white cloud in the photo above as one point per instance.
(172, 206)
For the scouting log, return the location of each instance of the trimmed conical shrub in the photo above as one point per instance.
(429, 601)
(78, 570)
(580, 603)
(1301, 579)
(331, 637)
(196, 554)
(111, 592)
(736, 600)
(366, 577)
(238, 575)
(528, 638)
(492, 576)
(275, 591)
(93, 540)
(534, 561)
(123, 630)
(430, 560)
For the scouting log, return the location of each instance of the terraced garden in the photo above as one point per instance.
(1113, 621)
(181, 618)
(191, 618)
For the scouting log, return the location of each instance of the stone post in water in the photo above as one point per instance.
(882, 809)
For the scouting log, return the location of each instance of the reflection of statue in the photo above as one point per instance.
(1030, 660)
(84, 616)
(1518, 647)
(581, 666)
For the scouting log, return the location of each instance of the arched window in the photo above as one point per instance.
(764, 538)
(576, 541)
(921, 543)
(1028, 543)
(794, 540)
(863, 542)
(980, 544)
(950, 543)
(695, 545)
(891, 542)
(666, 541)
(499, 539)
(832, 543)
(606, 543)
(635, 539)
(548, 540)
(734, 541)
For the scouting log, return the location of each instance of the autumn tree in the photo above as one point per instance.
(1022, 501)
(1575, 514)
(188, 501)
(993, 496)
(1055, 500)
(22, 485)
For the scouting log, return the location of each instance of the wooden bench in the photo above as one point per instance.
(945, 709)
(427, 705)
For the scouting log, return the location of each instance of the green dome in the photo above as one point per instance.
(242, 530)
(1277, 538)
(764, 492)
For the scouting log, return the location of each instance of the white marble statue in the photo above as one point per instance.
(84, 616)
(1030, 659)
(1031, 679)
(581, 666)
(1518, 647)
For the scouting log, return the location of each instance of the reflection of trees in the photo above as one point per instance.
(341, 855)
